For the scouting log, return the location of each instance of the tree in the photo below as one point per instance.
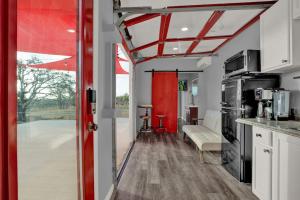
(64, 89)
(33, 84)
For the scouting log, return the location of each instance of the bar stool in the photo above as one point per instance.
(161, 126)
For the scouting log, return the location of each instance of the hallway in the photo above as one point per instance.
(164, 167)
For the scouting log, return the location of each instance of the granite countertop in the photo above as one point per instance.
(286, 127)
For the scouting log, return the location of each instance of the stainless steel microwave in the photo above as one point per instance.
(246, 61)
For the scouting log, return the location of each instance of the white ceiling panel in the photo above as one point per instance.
(207, 45)
(166, 3)
(194, 21)
(149, 52)
(145, 32)
(176, 47)
(232, 21)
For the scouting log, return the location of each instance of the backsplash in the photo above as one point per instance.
(289, 83)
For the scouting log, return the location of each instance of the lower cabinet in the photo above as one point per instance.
(286, 167)
(261, 167)
(275, 165)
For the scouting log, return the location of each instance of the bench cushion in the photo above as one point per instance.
(208, 137)
(203, 137)
(212, 120)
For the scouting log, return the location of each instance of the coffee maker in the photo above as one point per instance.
(281, 104)
(264, 98)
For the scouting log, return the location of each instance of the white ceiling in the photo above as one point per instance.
(148, 31)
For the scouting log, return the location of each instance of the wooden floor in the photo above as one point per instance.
(165, 167)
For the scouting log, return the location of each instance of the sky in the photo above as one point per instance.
(122, 80)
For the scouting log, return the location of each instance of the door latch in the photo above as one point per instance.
(92, 127)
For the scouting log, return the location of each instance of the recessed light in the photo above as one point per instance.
(184, 29)
(175, 49)
(71, 30)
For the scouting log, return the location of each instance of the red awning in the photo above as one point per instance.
(49, 27)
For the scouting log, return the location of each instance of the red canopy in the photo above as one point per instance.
(49, 27)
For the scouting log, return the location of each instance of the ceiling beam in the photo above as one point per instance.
(246, 26)
(140, 19)
(207, 27)
(201, 7)
(181, 55)
(188, 39)
(163, 32)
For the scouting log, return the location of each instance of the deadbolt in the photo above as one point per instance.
(92, 127)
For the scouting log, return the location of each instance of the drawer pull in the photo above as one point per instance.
(258, 135)
(267, 150)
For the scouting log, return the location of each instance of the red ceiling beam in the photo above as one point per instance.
(207, 27)
(173, 55)
(146, 59)
(145, 46)
(140, 19)
(195, 39)
(164, 28)
(246, 26)
(188, 39)
(183, 54)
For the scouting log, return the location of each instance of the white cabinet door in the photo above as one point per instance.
(286, 167)
(296, 9)
(275, 39)
(262, 172)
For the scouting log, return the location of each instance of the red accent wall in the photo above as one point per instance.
(165, 99)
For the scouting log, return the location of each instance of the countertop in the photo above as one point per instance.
(286, 127)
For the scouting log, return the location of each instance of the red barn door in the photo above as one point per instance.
(165, 99)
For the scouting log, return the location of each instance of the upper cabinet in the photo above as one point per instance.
(279, 38)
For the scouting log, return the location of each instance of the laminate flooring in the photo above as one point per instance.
(163, 167)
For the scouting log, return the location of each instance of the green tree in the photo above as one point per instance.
(33, 85)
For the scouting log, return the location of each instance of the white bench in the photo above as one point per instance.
(208, 136)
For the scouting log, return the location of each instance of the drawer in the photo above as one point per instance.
(262, 136)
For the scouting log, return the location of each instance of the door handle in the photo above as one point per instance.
(92, 127)
(258, 135)
(267, 150)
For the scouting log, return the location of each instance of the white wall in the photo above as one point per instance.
(213, 75)
(144, 80)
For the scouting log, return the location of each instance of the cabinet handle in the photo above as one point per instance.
(284, 61)
(258, 135)
(267, 150)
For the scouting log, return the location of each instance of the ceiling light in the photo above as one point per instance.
(184, 29)
(175, 49)
(71, 30)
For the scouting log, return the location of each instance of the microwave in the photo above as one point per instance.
(247, 61)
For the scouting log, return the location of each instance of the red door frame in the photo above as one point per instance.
(8, 108)
(86, 40)
(8, 99)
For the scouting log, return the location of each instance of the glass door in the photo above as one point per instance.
(123, 135)
(54, 71)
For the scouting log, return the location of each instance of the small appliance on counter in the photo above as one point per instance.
(265, 99)
(281, 105)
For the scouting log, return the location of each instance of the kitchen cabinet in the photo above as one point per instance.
(286, 166)
(279, 40)
(262, 163)
(296, 9)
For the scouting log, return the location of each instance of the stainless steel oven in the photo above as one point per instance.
(243, 62)
(238, 101)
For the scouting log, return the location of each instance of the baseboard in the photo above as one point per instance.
(110, 193)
